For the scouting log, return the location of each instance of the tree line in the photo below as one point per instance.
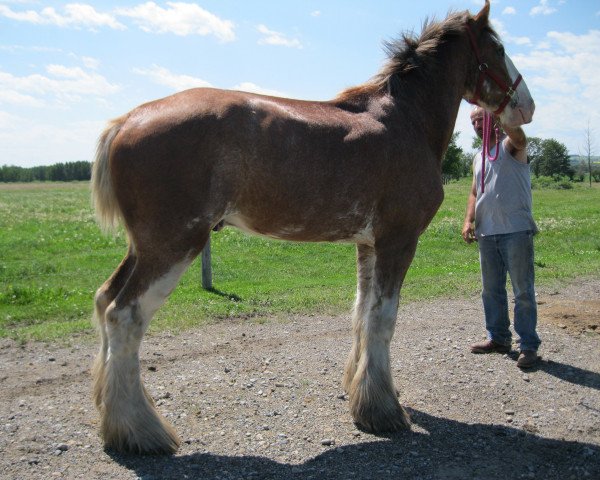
(59, 172)
(548, 157)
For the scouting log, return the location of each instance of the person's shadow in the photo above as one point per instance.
(567, 373)
(448, 450)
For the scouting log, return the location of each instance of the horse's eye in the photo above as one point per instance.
(501, 51)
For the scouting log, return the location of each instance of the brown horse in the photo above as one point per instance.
(362, 168)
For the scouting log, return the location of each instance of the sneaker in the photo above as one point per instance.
(528, 359)
(489, 346)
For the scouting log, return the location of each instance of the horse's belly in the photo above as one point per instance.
(321, 231)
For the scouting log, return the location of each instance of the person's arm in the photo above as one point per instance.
(516, 143)
(468, 230)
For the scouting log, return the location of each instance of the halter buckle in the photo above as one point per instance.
(483, 67)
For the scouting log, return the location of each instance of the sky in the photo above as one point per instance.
(67, 68)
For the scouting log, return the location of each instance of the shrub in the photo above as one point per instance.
(557, 182)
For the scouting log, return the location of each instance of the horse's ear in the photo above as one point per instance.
(483, 15)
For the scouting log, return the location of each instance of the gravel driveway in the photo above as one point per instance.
(263, 400)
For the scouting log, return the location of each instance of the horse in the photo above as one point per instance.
(363, 168)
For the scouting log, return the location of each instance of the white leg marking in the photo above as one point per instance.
(379, 330)
(156, 294)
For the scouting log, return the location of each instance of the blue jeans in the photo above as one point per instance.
(512, 253)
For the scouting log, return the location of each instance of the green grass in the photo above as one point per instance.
(53, 258)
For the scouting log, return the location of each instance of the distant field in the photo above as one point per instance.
(53, 257)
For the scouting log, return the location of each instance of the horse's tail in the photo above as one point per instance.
(104, 201)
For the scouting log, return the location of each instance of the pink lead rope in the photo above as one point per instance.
(485, 151)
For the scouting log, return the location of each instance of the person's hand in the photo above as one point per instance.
(468, 232)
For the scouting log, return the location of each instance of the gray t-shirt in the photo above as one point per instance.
(505, 206)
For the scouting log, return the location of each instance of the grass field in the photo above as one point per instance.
(53, 257)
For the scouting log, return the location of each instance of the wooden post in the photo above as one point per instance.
(206, 267)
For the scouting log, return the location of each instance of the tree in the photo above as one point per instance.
(477, 143)
(588, 148)
(453, 163)
(553, 160)
(60, 172)
(534, 151)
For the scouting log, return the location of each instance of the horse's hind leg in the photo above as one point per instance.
(373, 401)
(104, 296)
(129, 420)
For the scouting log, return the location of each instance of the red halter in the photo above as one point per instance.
(484, 70)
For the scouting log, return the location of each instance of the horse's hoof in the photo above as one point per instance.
(167, 445)
(148, 435)
(388, 420)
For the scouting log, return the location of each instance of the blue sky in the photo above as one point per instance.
(66, 68)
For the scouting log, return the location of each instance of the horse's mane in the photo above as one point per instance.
(407, 54)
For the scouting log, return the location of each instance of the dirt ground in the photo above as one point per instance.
(262, 399)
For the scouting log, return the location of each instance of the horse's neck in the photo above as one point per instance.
(438, 98)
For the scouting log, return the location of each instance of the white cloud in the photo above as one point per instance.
(542, 9)
(28, 48)
(27, 143)
(519, 40)
(91, 63)
(88, 62)
(564, 80)
(507, 37)
(463, 125)
(316, 13)
(277, 38)
(74, 15)
(63, 84)
(509, 11)
(12, 97)
(180, 19)
(589, 42)
(253, 88)
(177, 82)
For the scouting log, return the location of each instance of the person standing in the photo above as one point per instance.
(500, 220)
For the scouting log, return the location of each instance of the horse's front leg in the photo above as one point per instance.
(365, 266)
(373, 401)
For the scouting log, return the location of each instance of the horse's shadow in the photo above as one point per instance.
(446, 449)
